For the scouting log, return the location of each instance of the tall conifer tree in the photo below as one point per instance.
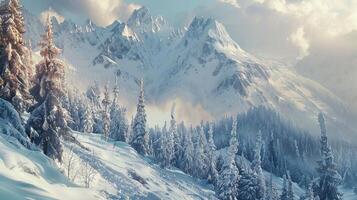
(48, 117)
(140, 135)
(14, 56)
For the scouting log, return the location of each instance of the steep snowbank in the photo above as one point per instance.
(26, 174)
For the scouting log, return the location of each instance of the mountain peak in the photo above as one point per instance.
(202, 21)
(210, 31)
(90, 26)
(203, 26)
(139, 16)
(142, 20)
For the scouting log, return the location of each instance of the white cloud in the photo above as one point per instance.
(317, 36)
(333, 63)
(262, 26)
(185, 111)
(101, 12)
(298, 39)
(233, 3)
(333, 17)
(51, 13)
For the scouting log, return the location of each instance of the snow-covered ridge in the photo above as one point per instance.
(201, 64)
(143, 22)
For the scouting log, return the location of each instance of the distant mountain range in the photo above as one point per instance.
(200, 64)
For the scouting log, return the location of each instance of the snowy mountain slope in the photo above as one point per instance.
(214, 71)
(26, 174)
(123, 173)
(119, 171)
(31, 175)
(34, 28)
(200, 64)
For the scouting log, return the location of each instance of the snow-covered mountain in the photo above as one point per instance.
(199, 64)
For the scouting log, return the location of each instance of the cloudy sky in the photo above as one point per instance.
(317, 37)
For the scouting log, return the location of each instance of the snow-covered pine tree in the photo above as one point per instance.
(169, 142)
(151, 143)
(169, 146)
(14, 71)
(74, 112)
(88, 120)
(106, 115)
(284, 194)
(94, 95)
(271, 193)
(228, 180)
(181, 132)
(118, 122)
(329, 179)
(140, 135)
(252, 183)
(188, 153)
(297, 150)
(155, 137)
(200, 162)
(212, 171)
(83, 103)
(177, 148)
(131, 130)
(247, 185)
(48, 117)
(290, 187)
(272, 149)
(211, 145)
(257, 168)
(309, 193)
(161, 155)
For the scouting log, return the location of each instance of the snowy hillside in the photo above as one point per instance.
(110, 170)
(26, 174)
(30, 174)
(115, 171)
(123, 173)
(200, 64)
(120, 173)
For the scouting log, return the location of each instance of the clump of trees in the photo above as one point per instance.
(227, 168)
(15, 64)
